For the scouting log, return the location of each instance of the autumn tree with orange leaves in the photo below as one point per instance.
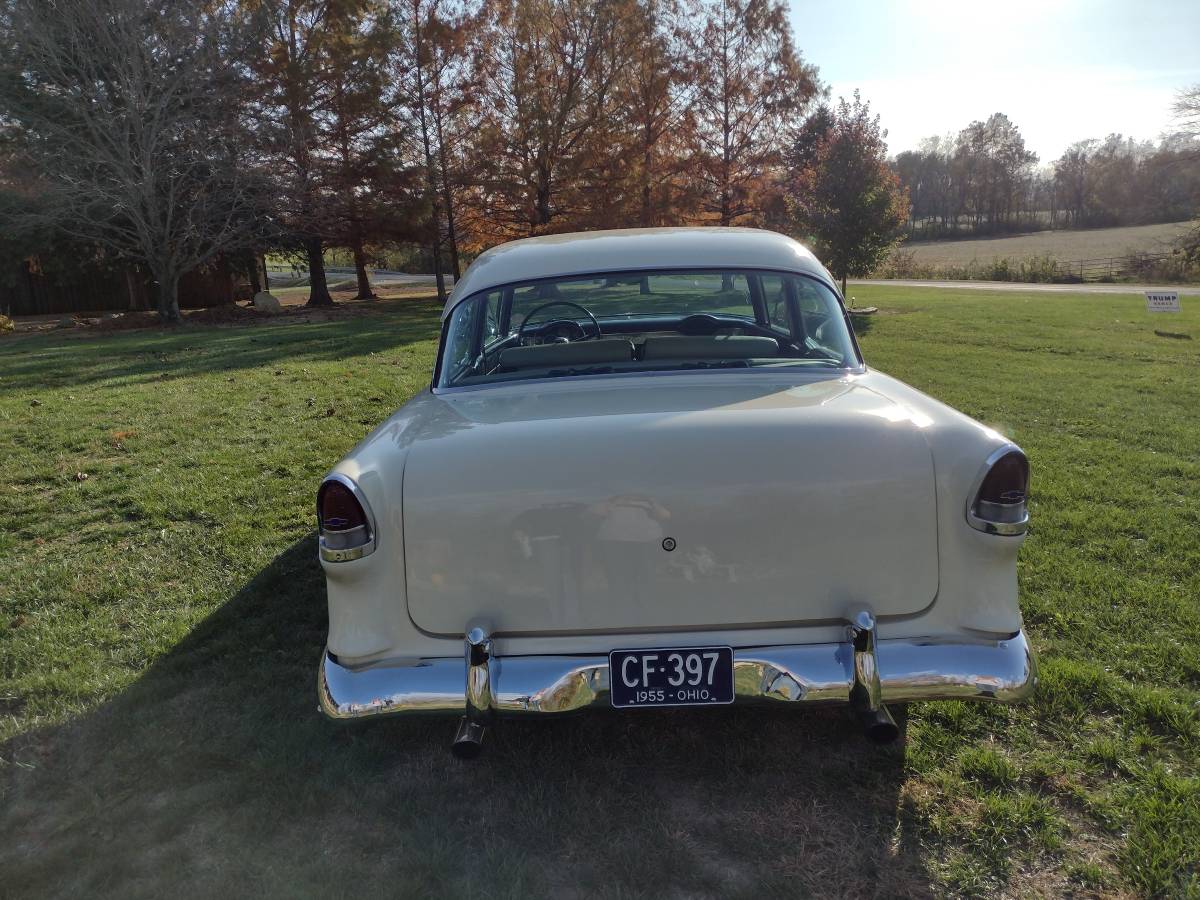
(457, 124)
(752, 88)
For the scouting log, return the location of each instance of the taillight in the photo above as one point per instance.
(999, 505)
(346, 530)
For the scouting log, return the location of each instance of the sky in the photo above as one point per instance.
(1062, 70)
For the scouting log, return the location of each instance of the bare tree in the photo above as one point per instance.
(1187, 111)
(127, 112)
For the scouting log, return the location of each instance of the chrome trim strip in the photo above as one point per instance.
(784, 676)
(334, 554)
(819, 375)
(1004, 529)
(637, 270)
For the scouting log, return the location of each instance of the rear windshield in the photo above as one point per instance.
(644, 321)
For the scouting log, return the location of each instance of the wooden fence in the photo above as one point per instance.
(30, 292)
(1108, 268)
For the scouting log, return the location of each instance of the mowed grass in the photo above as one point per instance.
(161, 621)
(1066, 245)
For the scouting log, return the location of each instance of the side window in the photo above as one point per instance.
(776, 300)
(491, 326)
(821, 317)
(460, 349)
(810, 299)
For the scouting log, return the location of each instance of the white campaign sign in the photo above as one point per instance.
(1162, 301)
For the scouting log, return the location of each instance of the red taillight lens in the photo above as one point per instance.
(1008, 480)
(999, 505)
(338, 508)
(346, 530)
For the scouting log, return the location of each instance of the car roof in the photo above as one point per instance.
(629, 249)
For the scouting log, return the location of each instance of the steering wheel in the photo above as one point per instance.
(583, 309)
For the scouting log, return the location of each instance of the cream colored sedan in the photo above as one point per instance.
(653, 470)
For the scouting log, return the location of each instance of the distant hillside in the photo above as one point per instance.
(1062, 245)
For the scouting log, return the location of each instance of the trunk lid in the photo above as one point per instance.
(549, 509)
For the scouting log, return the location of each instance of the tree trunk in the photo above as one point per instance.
(360, 269)
(259, 280)
(843, 285)
(447, 197)
(136, 297)
(647, 190)
(168, 298)
(435, 249)
(541, 207)
(452, 238)
(318, 287)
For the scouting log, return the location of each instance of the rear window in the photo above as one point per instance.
(641, 295)
(644, 321)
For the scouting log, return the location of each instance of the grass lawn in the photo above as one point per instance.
(162, 618)
(1065, 245)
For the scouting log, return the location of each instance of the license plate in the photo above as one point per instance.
(683, 676)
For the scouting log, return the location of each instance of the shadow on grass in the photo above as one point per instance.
(214, 771)
(54, 360)
(861, 323)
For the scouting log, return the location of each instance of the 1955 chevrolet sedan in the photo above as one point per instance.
(654, 470)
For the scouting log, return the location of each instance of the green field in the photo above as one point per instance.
(1065, 245)
(161, 622)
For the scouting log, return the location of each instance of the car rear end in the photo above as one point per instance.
(671, 486)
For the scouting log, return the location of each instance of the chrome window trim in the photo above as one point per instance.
(332, 554)
(987, 526)
(761, 371)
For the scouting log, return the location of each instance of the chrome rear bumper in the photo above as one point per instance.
(909, 669)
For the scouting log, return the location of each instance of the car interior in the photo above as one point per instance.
(554, 331)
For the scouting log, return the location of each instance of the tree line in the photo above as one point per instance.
(985, 181)
(167, 132)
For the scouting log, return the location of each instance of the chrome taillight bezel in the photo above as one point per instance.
(348, 544)
(1004, 519)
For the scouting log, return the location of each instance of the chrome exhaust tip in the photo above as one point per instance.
(468, 740)
(878, 725)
